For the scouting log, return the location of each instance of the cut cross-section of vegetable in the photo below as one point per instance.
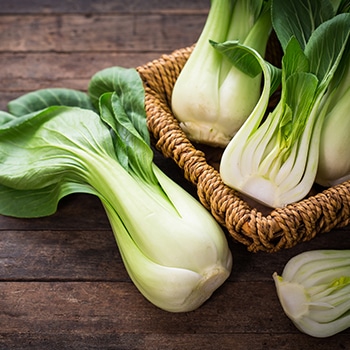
(314, 291)
(274, 158)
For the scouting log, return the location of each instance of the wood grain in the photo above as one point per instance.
(70, 33)
(92, 6)
(63, 284)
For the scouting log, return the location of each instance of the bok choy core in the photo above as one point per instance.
(173, 249)
(274, 158)
(314, 291)
(211, 97)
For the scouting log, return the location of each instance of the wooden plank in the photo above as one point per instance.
(103, 33)
(91, 312)
(65, 66)
(191, 341)
(23, 72)
(122, 307)
(261, 265)
(92, 6)
(63, 283)
(71, 215)
(64, 247)
(60, 256)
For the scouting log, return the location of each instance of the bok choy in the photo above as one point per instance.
(173, 249)
(274, 158)
(334, 158)
(314, 291)
(211, 97)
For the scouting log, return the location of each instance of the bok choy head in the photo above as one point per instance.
(173, 249)
(274, 159)
(334, 159)
(314, 291)
(211, 97)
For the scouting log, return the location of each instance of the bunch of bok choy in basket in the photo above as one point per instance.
(55, 142)
(205, 94)
(275, 158)
(314, 291)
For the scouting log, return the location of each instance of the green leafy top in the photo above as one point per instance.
(40, 99)
(119, 94)
(43, 134)
(41, 158)
(273, 157)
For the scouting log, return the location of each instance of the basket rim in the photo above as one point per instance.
(282, 227)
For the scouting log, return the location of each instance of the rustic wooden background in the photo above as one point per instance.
(62, 281)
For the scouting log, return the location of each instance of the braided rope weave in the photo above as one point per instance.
(280, 228)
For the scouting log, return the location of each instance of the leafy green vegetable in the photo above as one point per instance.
(334, 159)
(5, 117)
(211, 97)
(314, 291)
(173, 249)
(40, 99)
(274, 158)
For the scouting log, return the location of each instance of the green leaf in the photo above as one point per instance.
(121, 104)
(133, 153)
(40, 99)
(294, 60)
(242, 59)
(299, 18)
(248, 61)
(300, 90)
(45, 156)
(39, 202)
(108, 116)
(127, 84)
(327, 45)
(5, 117)
(103, 81)
(341, 6)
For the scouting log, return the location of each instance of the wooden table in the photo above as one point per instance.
(63, 285)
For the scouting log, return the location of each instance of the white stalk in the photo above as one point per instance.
(178, 255)
(212, 98)
(314, 291)
(334, 162)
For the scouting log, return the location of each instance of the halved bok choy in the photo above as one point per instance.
(334, 160)
(314, 291)
(273, 158)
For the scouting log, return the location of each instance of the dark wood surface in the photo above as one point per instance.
(62, 281)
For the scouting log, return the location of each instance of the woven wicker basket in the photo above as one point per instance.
(260, 229)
